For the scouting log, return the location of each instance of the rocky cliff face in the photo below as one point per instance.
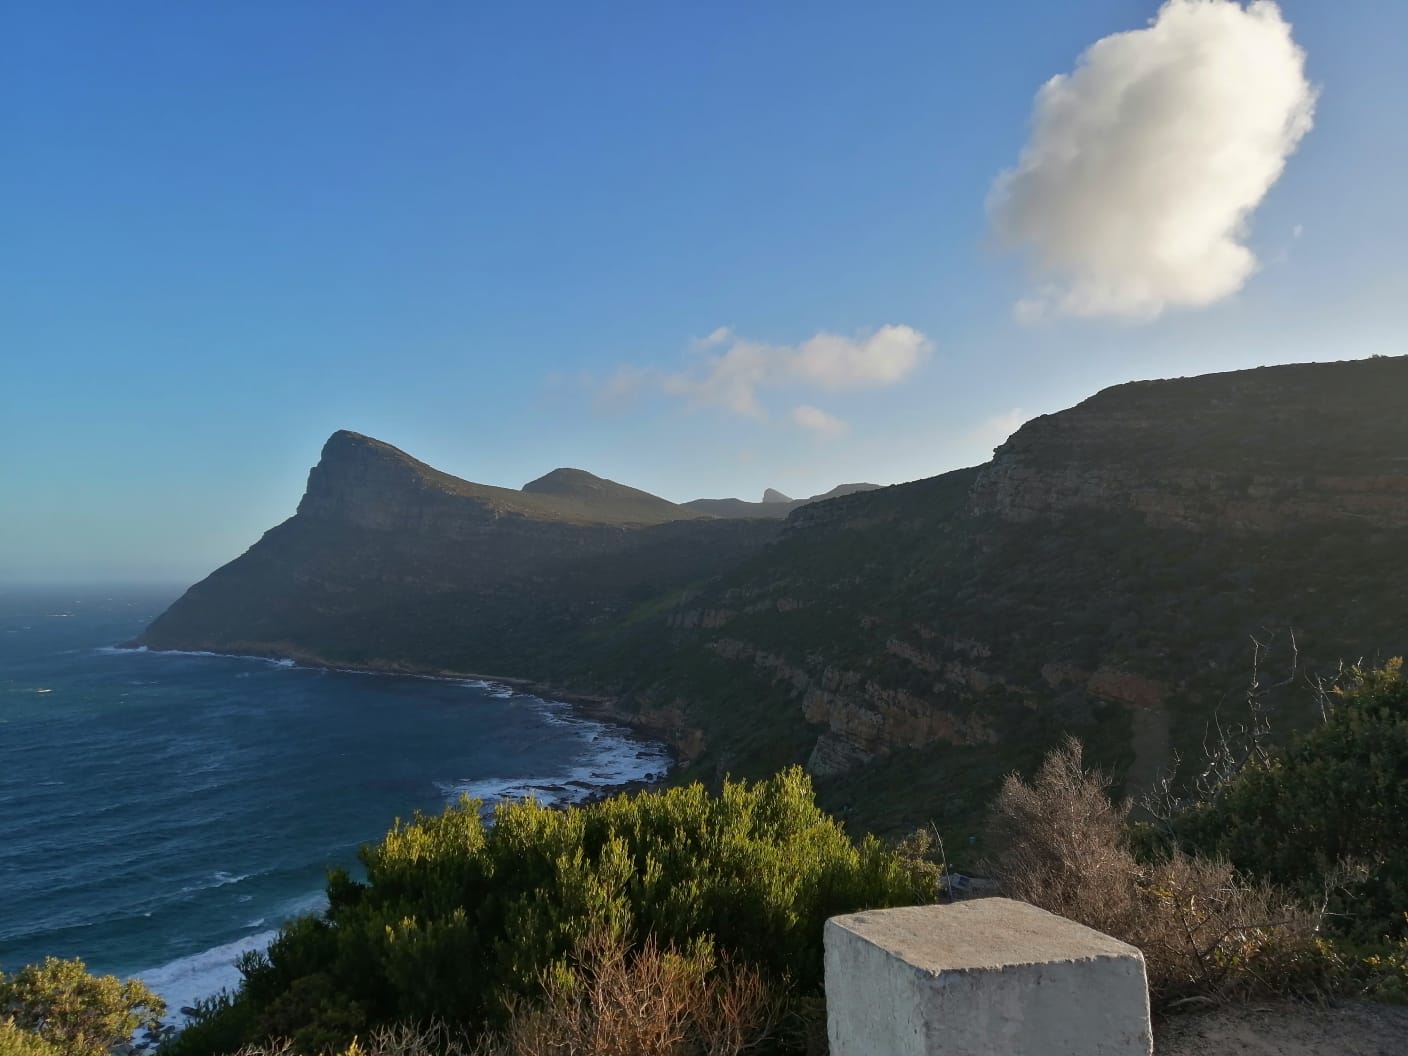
(1254, 450)
(1103, 575)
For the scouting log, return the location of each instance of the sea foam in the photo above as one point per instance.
(187, 980)
(612, 758)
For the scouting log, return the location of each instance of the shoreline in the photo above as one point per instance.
(594, 707)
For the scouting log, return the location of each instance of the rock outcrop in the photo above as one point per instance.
(1253, 450)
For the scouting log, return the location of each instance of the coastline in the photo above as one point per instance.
(614, 758)
(593, 707)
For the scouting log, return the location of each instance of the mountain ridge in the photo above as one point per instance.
(1103, 574)
(777, 506)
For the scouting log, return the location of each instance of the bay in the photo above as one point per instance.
(160, 813)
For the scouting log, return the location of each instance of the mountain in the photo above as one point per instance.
(774, 504)
(391, 563)
(606, 498)
(1104, 574)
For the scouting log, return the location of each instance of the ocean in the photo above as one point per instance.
(161, 813)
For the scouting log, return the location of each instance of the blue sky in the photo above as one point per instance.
(500, 237)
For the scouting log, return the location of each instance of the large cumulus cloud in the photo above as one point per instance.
(1133, 193)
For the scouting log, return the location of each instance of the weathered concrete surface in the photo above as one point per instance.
(991, 976)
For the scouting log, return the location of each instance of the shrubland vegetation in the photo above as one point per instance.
(1205, 931)
(687, 923)
(1286, 874)
(1327, 818)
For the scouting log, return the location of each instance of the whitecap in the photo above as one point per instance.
(122, 650)
(188, 980)
(219, 878)
(612, 758)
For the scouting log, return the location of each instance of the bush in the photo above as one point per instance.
(71, 1012)
(17, 1042)
(1337, 797)
(458, 920)
(650, 1002)
(1203, 930)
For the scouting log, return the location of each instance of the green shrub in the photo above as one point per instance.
(1337, 796)
(457, 917)
(15, 1041)
(1205, 932)
(71, 1012)
(644, 1002)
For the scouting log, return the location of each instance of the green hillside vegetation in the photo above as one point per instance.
(1105, 591)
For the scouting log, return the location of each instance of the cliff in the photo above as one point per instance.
(1104, 574)
(1253, 450)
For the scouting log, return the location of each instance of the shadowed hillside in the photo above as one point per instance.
(1102, 574)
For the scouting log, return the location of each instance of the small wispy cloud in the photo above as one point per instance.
(722, 335)
(817, 421)
(1134, 190)
(734, 374)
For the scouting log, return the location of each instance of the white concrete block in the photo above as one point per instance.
(990, 976)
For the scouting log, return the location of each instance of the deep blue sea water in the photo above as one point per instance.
(162, 812)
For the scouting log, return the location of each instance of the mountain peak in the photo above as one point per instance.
(773, 495)
(592, 492)
(348, 444)
(567, 481)
(371, 482)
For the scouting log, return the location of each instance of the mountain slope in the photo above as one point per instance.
(392, 563)
(577, 488)
(1103, 574)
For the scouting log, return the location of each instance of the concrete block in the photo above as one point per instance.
(990, 976)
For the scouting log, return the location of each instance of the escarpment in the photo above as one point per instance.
(1104, 575)
(1256, 450)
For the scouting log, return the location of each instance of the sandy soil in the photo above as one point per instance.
(1348, 1028)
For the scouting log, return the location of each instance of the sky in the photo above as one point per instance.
(700, 249)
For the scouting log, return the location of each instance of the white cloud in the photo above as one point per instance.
(720, 335)
(1144, 164)
(817, 420)
(619, 390)
(732, 373)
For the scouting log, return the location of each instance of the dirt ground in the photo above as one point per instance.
(1347, 1028)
